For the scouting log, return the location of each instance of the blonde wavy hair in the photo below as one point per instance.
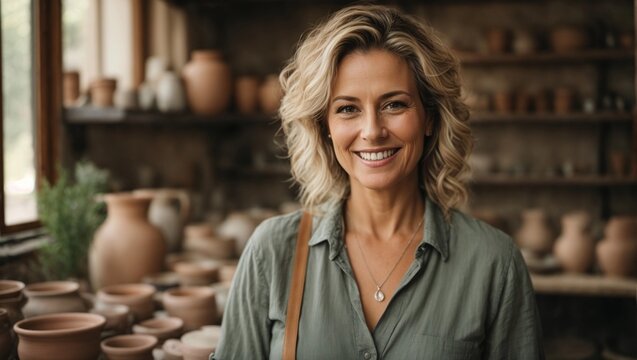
(307, 80)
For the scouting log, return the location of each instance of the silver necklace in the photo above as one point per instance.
(379, 295)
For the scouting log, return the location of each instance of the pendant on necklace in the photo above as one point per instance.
(379, 295)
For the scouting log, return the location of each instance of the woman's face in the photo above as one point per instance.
(376, 120)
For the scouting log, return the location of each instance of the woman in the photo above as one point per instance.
(378, 141)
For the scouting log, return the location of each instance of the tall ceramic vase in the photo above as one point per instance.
(575, 248)
(127, 247)
(617, 252)
(535, 234)
(169, 211)
(208, 83)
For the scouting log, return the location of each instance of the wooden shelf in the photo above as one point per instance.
(244, 172)
(584, 285)
(506, 180)
(563, 119)
(89, 115)
(584, 56)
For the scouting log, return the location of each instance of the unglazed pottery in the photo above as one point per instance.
(53, 297)
(126, 247)
(6, 341)
(197, 345)
(535, 233)
(575, 248)
(14, 307)
(246, 94)
(208, 83)
(564, 39)
(118, 317)
(196, 306)
(163, 281)
(170, 93)
(239, 226)
(197, 273)
(202, 229)
(172, 350)
(129, 347)
(173, 259)
(70, 88)
(102, 91)
(64, 336)
(270, 94)
(138, 297)
(498, 40)
(216, 247)
(617, 252)
(10, 289)
(162, 328)
(169, 211)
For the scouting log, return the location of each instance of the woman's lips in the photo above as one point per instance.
(377, 158)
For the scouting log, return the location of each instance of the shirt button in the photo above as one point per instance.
(367, 355)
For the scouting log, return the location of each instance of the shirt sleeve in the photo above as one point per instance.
(245, 331)
(515, 333)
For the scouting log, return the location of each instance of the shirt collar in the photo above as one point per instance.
(331, 225)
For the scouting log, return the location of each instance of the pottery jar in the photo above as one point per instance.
(169, 211)
(246, 94)
(138, 297)
(197, 273)
(10, 289)
(564, 100)
(170, 93)
(196, 306)
(270, 94)
(70, 88)
(102, 91)
(575, 248)
(564, 39)
(53, 297)
(154, 68)
(126, 247)
(617, 252)
(129, 347)
(146, 96)
(64, 336)
(208, 83)
(6, 340)
(197, 345)
(161, 328)
(535, 233)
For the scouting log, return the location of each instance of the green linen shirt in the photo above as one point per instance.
(466, 295)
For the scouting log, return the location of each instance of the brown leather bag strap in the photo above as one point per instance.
(296, 289)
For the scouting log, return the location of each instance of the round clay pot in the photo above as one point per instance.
(222, 289)
(172, 350)
(503, 101)
(197, 273)
(161, 328)
(498, 40)
(53, 297)
(138, 297)
(6, 341)
(617, 252)
(197, 345)
(246, 93)
(208, 83)
(270, 94)
(564, 100)
(575, 248)
(566, 39)
(10, 289)
(70, 88)
(69, 336)
(535, 233)
(216, 247)
(170, 93)
(196, 306)
(129, 347)
(126, 247)
(203, 229)
(118, 317)
(102, 91)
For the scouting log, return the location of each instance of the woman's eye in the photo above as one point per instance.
(346, 109)
(395, 105)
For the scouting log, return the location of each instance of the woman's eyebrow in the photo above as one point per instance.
(382, 97)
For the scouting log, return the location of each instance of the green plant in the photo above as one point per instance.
(70, 213)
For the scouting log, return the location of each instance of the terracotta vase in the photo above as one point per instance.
(6, 341)
(575, 248)
(270, 94)
(169, 211)
(246, 94)
(69, 336)
(53, 297)
(196, 306)
(617, 252)
(566, 39)
(535, 233)
(138, 297)
(70, 88)
(102, 92)
(197, 345)
(208, 83)
(126, 247)
(129, 347)
(161, 328)
(170, 94)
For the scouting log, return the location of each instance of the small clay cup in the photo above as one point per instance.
(129, 347)
(138, 297)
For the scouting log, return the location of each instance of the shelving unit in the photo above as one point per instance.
(584, 285)
(468, 58)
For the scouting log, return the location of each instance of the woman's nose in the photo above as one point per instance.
(372, 127)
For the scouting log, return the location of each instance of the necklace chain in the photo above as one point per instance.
(379, 295)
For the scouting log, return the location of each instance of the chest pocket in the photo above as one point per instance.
(436, 347)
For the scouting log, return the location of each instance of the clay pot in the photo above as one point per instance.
(216, 247)
(498, 40)
(197, 345)
(172, 350)
(71, 336)
(246, 93)
(565, 39)
(575, 248)
(173, 259)
(564, 100)
(161, 328)
(170, 93)
(138, 297)
(102, 91)
(196, 306)
(208, 83)
(14, 307)
(618, 163)
(198, 273)
(270, 94)
(53, 297)
(627, 41)
(70, 88)
(503, 101)
(535, 234)
(203, 229)
(126, 247)
(163, 281)
(238, 226)
(118, 317)
(617, 252)
(222, 289)
(129, 347)
(6, 341)
(169, 211)
(10, 289)
(524, 42)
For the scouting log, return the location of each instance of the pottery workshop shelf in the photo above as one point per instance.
(584, 285)
(544, 58)
(557, 119)
(601, 181)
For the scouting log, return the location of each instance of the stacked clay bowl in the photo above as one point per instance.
(129, 347)
(138, 297)
(68, 336)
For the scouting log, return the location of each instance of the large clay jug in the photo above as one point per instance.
(575, 248)
(127, 247)
(617, 252)
(208, 83)
(535, 234)
(169, 211)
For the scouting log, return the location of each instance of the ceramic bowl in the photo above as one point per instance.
(128, 347)
(216, 247)
(10, 289)
(138, 297)
(53, 297)
(162, 328)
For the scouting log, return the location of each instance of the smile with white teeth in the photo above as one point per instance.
(376, 156)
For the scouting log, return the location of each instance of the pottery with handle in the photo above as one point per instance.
(169, 211)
